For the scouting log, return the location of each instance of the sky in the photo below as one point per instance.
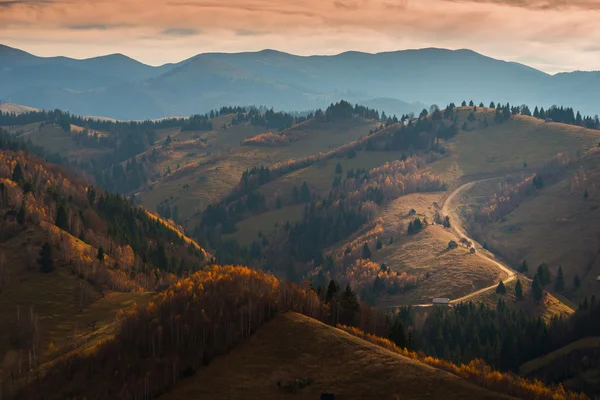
(551, 35)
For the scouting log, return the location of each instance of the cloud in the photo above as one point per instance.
(542, 4)
(248, 32)
(96, 27)
(156, 31)
(180, 32)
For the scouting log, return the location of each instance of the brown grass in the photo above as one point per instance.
(294, 346)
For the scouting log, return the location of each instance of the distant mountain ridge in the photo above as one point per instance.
(120, 87)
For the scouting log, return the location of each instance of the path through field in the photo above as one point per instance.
(457, 228)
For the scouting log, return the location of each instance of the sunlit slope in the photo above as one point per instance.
(507, 146)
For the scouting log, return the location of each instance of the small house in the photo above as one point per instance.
(441, 301)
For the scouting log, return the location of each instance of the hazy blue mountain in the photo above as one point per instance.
(120, 87)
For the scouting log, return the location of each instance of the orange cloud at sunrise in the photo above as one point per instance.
(552, 35)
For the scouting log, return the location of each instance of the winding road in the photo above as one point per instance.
(455, 223)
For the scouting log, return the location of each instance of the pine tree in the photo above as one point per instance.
(524, 268)
(379, 245)
(463, 104)
(576, 282)
(519, 290)
(62, 220)
(366, 252)
(397, 333)
(100, 255)
(338, 168)
(543, 274)
(45, 261)
(21, 215)
(501, 289)
(17, 174)
(492, 105)
(350, 304)
(332, 291)
(559, 284)
(536, 289)
(536, 112)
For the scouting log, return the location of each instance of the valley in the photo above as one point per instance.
(370, 216)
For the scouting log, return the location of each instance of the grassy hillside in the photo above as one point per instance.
(549, 307)
(72, 257)
(506, 147)
(14, 108)
(293, 346)
(213, 164)
(558, 225)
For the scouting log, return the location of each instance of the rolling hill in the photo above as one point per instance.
(71, 257)
(119, 87)
(293, 346)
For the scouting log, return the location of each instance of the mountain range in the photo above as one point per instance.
(398, 82)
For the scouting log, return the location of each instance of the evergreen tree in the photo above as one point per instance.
(45, 261)
(17, 174)
(519, 290)
(536, 112)
(366, 252)
(21, 214)
(542, 113)
(62, 220)
(492, 105)
(543, 274)
(501, 289)
(524, 268)
(463, 104)
(397, 333)
(351, 306)
(537, 290)
(576, 282)
(100, 255)
(379, 245)
(305, 192)
(338, 168)
(332, 291)
(559, 284)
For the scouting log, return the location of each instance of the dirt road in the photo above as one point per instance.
(460, 232)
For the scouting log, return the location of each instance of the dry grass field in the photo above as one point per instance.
(506, 147)
(249, 228)
(224, 161)
(293, 346)
(557, 225)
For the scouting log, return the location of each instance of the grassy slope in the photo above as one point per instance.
(55, 140)
(15, 108)
(208, 183)
(54, 297)
(249, 228)
(588, 343)
(559, 226)
(548, 307)
(505, 147)
(294, 346)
